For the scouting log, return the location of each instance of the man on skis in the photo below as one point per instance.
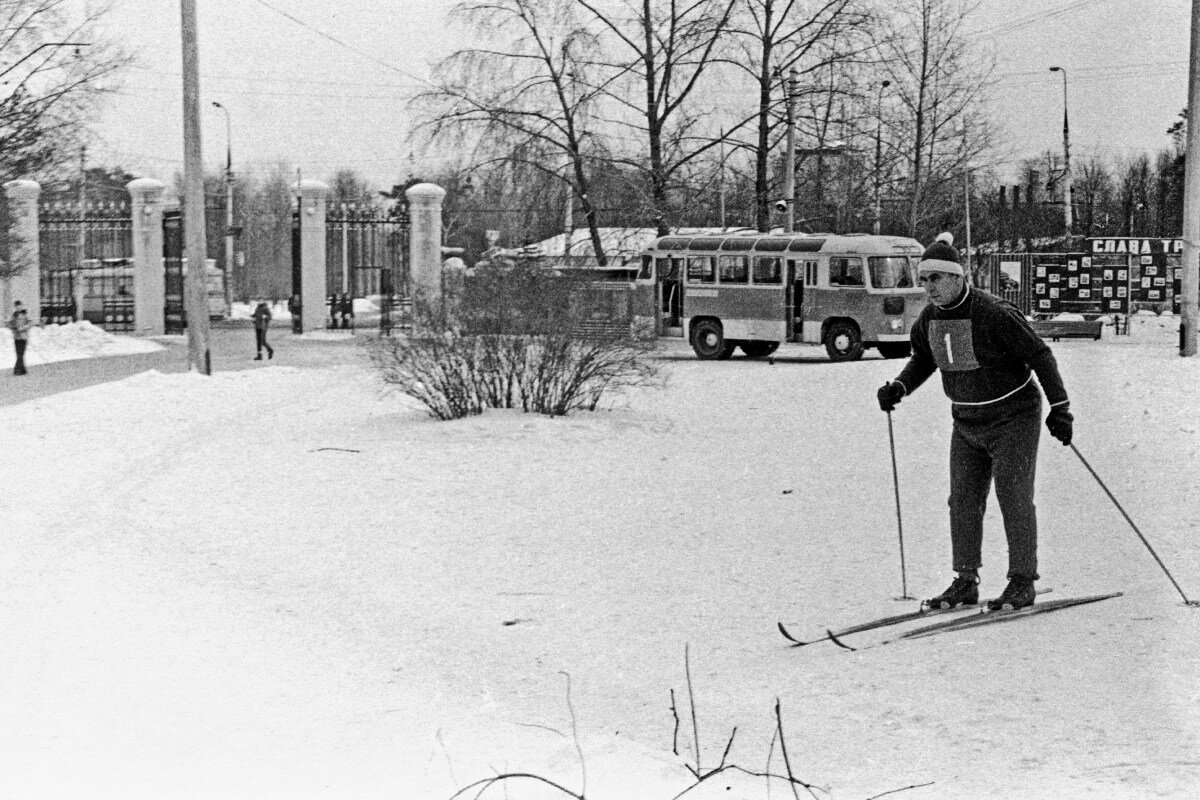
(987, 353)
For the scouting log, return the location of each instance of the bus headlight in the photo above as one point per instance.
(896, 325)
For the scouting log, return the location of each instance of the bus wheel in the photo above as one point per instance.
(758, 349)
(708, 340)
(843, 342)
(895, 350)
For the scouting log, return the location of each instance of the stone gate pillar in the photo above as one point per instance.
(149, 287)
(24, 250)
(312, 252)
(425, 244)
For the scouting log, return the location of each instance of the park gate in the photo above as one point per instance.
(366, 255)
(87, 264)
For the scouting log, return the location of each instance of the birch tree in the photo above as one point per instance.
(526, 95)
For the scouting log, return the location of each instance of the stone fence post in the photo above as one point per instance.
(425, 246)
(312, 211)
(149, 290)
(25, 284)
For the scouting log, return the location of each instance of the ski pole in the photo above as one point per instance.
(899, 519)
(1135, 528)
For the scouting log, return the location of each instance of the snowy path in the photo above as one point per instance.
(204, 598)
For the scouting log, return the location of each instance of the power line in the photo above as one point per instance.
(339, 42)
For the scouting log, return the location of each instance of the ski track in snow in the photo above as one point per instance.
(201, 602)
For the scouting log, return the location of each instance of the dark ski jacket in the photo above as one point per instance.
(985, 349)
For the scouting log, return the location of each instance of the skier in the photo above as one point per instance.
(986, 352)
(19, 324)
(262, 320)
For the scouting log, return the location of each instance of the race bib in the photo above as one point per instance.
(952, 345)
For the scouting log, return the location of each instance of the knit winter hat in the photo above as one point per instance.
(941, 256)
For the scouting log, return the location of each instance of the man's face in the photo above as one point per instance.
(941, 287)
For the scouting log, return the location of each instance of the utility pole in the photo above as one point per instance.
(789, 162)
(1191, 202)
(879, 155)
(721, 181)
(229, 239)
(82, 216)
(195, 285)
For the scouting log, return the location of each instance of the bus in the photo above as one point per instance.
(752, 291)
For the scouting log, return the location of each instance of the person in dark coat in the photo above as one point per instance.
(988, 354)
(262, 321)
(294, 309)
(19, 323)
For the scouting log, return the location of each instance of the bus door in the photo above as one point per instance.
(801, 274)
(793, 296)
(670, 294)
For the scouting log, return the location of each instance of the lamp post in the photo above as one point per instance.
(878, 153)
(1068, 216)
(229, 259)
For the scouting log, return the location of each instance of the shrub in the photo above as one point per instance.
(516, 337)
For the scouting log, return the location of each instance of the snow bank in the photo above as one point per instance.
(74, 341)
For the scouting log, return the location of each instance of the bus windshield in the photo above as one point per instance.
(891, 272)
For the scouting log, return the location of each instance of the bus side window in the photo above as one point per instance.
(700, 270)
(735, 269)
(810, 273)
(768, 269)
(845, 271)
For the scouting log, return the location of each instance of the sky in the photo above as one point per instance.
(322, 85)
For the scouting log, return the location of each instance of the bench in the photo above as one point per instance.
(1064, 329)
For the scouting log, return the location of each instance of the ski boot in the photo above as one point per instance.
(964, 591)
(1018, 594)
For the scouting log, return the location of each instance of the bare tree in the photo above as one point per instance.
(667, 47)
(775, 38)
(55, 65)
(527, 96)
(939, 78)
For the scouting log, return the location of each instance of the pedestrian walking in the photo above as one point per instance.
(262, 321)
(19, 323)
(987, 353)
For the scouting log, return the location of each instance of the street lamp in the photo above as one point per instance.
(228, 202)
(1067, 210)
(878, 152)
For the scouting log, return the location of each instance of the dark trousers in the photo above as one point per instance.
(996, 444)
(19, 367)
(260, 340)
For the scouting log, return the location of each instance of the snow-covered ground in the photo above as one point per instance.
(73, 341)
(287, 583)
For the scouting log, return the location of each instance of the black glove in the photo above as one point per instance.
(889, 395)
(1059, 423)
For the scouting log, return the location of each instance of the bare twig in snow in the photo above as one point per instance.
(905, 789)
(575, 736)
(687, 669)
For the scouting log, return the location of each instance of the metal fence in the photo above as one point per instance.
(86, 263)
(361, 242)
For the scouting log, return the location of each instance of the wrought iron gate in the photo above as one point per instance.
(174, 316)
(366, 256)
(87, 264)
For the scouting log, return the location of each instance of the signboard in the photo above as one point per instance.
(1063, 282)
(1114, 282)
(1177, 288)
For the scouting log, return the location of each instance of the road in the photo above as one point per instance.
(231, 343)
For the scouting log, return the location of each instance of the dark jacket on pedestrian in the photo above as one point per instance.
(262, 316)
